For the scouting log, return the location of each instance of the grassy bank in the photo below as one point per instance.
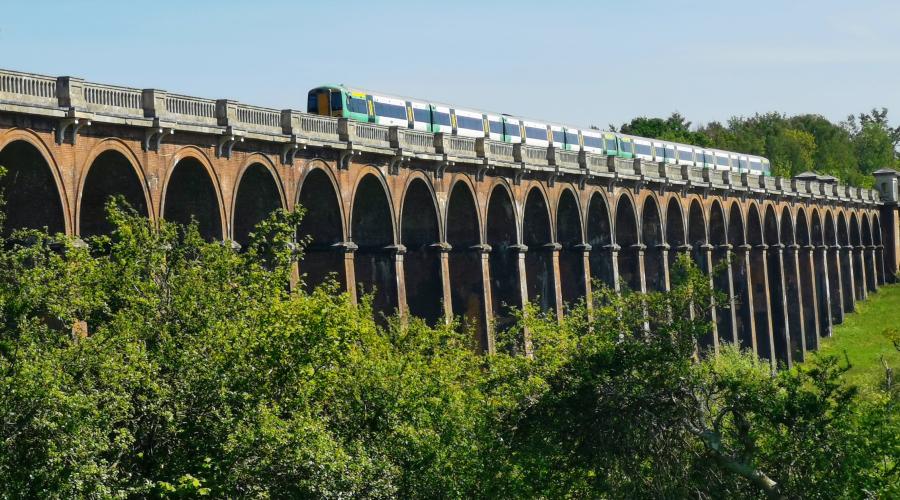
(861, 336)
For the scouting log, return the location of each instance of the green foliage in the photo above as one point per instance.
(205, 374)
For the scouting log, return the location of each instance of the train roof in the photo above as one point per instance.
(360, 90)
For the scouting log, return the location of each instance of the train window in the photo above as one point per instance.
(722, 161)
(336, 103)
(593, 142)
(469, 123)
(441, 118)
(496, 127)
(642, 149)
(390, 110)
(512, 129)
(536, 133)
(611, 143)
(701, 158)
(312, 103)
(756, 165)
(626, 146)
(357, 105)
(422, 115)
(685, 155)
(742, 164)
(558, 136)
(572, 138)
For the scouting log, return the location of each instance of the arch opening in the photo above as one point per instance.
(599, 233)
(466, 280)
(720, 276)
(571, 257)
(629, 248)
(794, 311)
(652, 238)
(257, 197)
(372, 230)
(743, 300)
(110, 174)
(504, 258)
(191, 196)
(422, 262)
(30, 191)
(760, 290)
(322, 230)
(856, 257)
(807, 286)
(675, 234)
(835, 287)
(879, 249)
(537, 237)
(846, 260)
(774, 273)
(869, 254)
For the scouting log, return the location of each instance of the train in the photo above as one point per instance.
(418, 114)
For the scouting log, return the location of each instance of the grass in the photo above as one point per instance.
(861, 337)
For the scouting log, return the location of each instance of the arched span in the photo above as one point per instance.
(537, 236)
(422, 263)
(775, 250)
(868, 250)
(720, 273)
(371, 229)
(466, 274)
(879, 249)
(790, 265)
(599, 234)
(627, 239)
(740, 278)
(110, 174)
(846, 263)
(571, 257)
(504, 257)
(833, 258)
(697, 235)
(652, 239)
(759, 282)
(806, 274)
(32, 195)
(257, 196)
(676, 237)
(856, 257)
(191, 195)
(321, 230)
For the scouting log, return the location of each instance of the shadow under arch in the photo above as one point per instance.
(257, 196)
(599, 237)
(191, 195)
(371, 229)
(110, 174)
(30, 190)
(322, 230)
(465, 263)
(571, 257)
(422, 262)
(538, 238)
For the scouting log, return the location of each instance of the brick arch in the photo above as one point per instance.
(195, 154)
(652, 236)
(35, 140)
(719, 255)
(119, 146)
(570, 236)
(565, 190)
(258, 206)
(506, 273)
(538, 236)
(416, 176)
(598, 229)
(792, 293)
(323, 227)
(371, 170)
(463, 180)
(373, 230)
(464, 233)
(420, 233)
(627, 236)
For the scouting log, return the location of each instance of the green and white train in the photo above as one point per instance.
(364, 106)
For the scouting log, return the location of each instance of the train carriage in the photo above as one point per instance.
(360, 105)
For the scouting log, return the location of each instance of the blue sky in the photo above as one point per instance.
(591, 62)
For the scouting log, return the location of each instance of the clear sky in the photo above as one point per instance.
(590, 62)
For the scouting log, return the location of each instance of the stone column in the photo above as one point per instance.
(613, 250)
(872, 271)
(847, 249)
(834, 253)
(554, 249)
(586, 263)
(706, 255)
(794, 256)
(664, 257)
(727, 250)
(823, 325)
(638, 249)
(487, 305)
(743, 252)
(349, 249)
(444, 249)
(859, 252)
(399, 250)
(523, 292)
(767, 292)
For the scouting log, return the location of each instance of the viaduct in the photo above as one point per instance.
(441, 226)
